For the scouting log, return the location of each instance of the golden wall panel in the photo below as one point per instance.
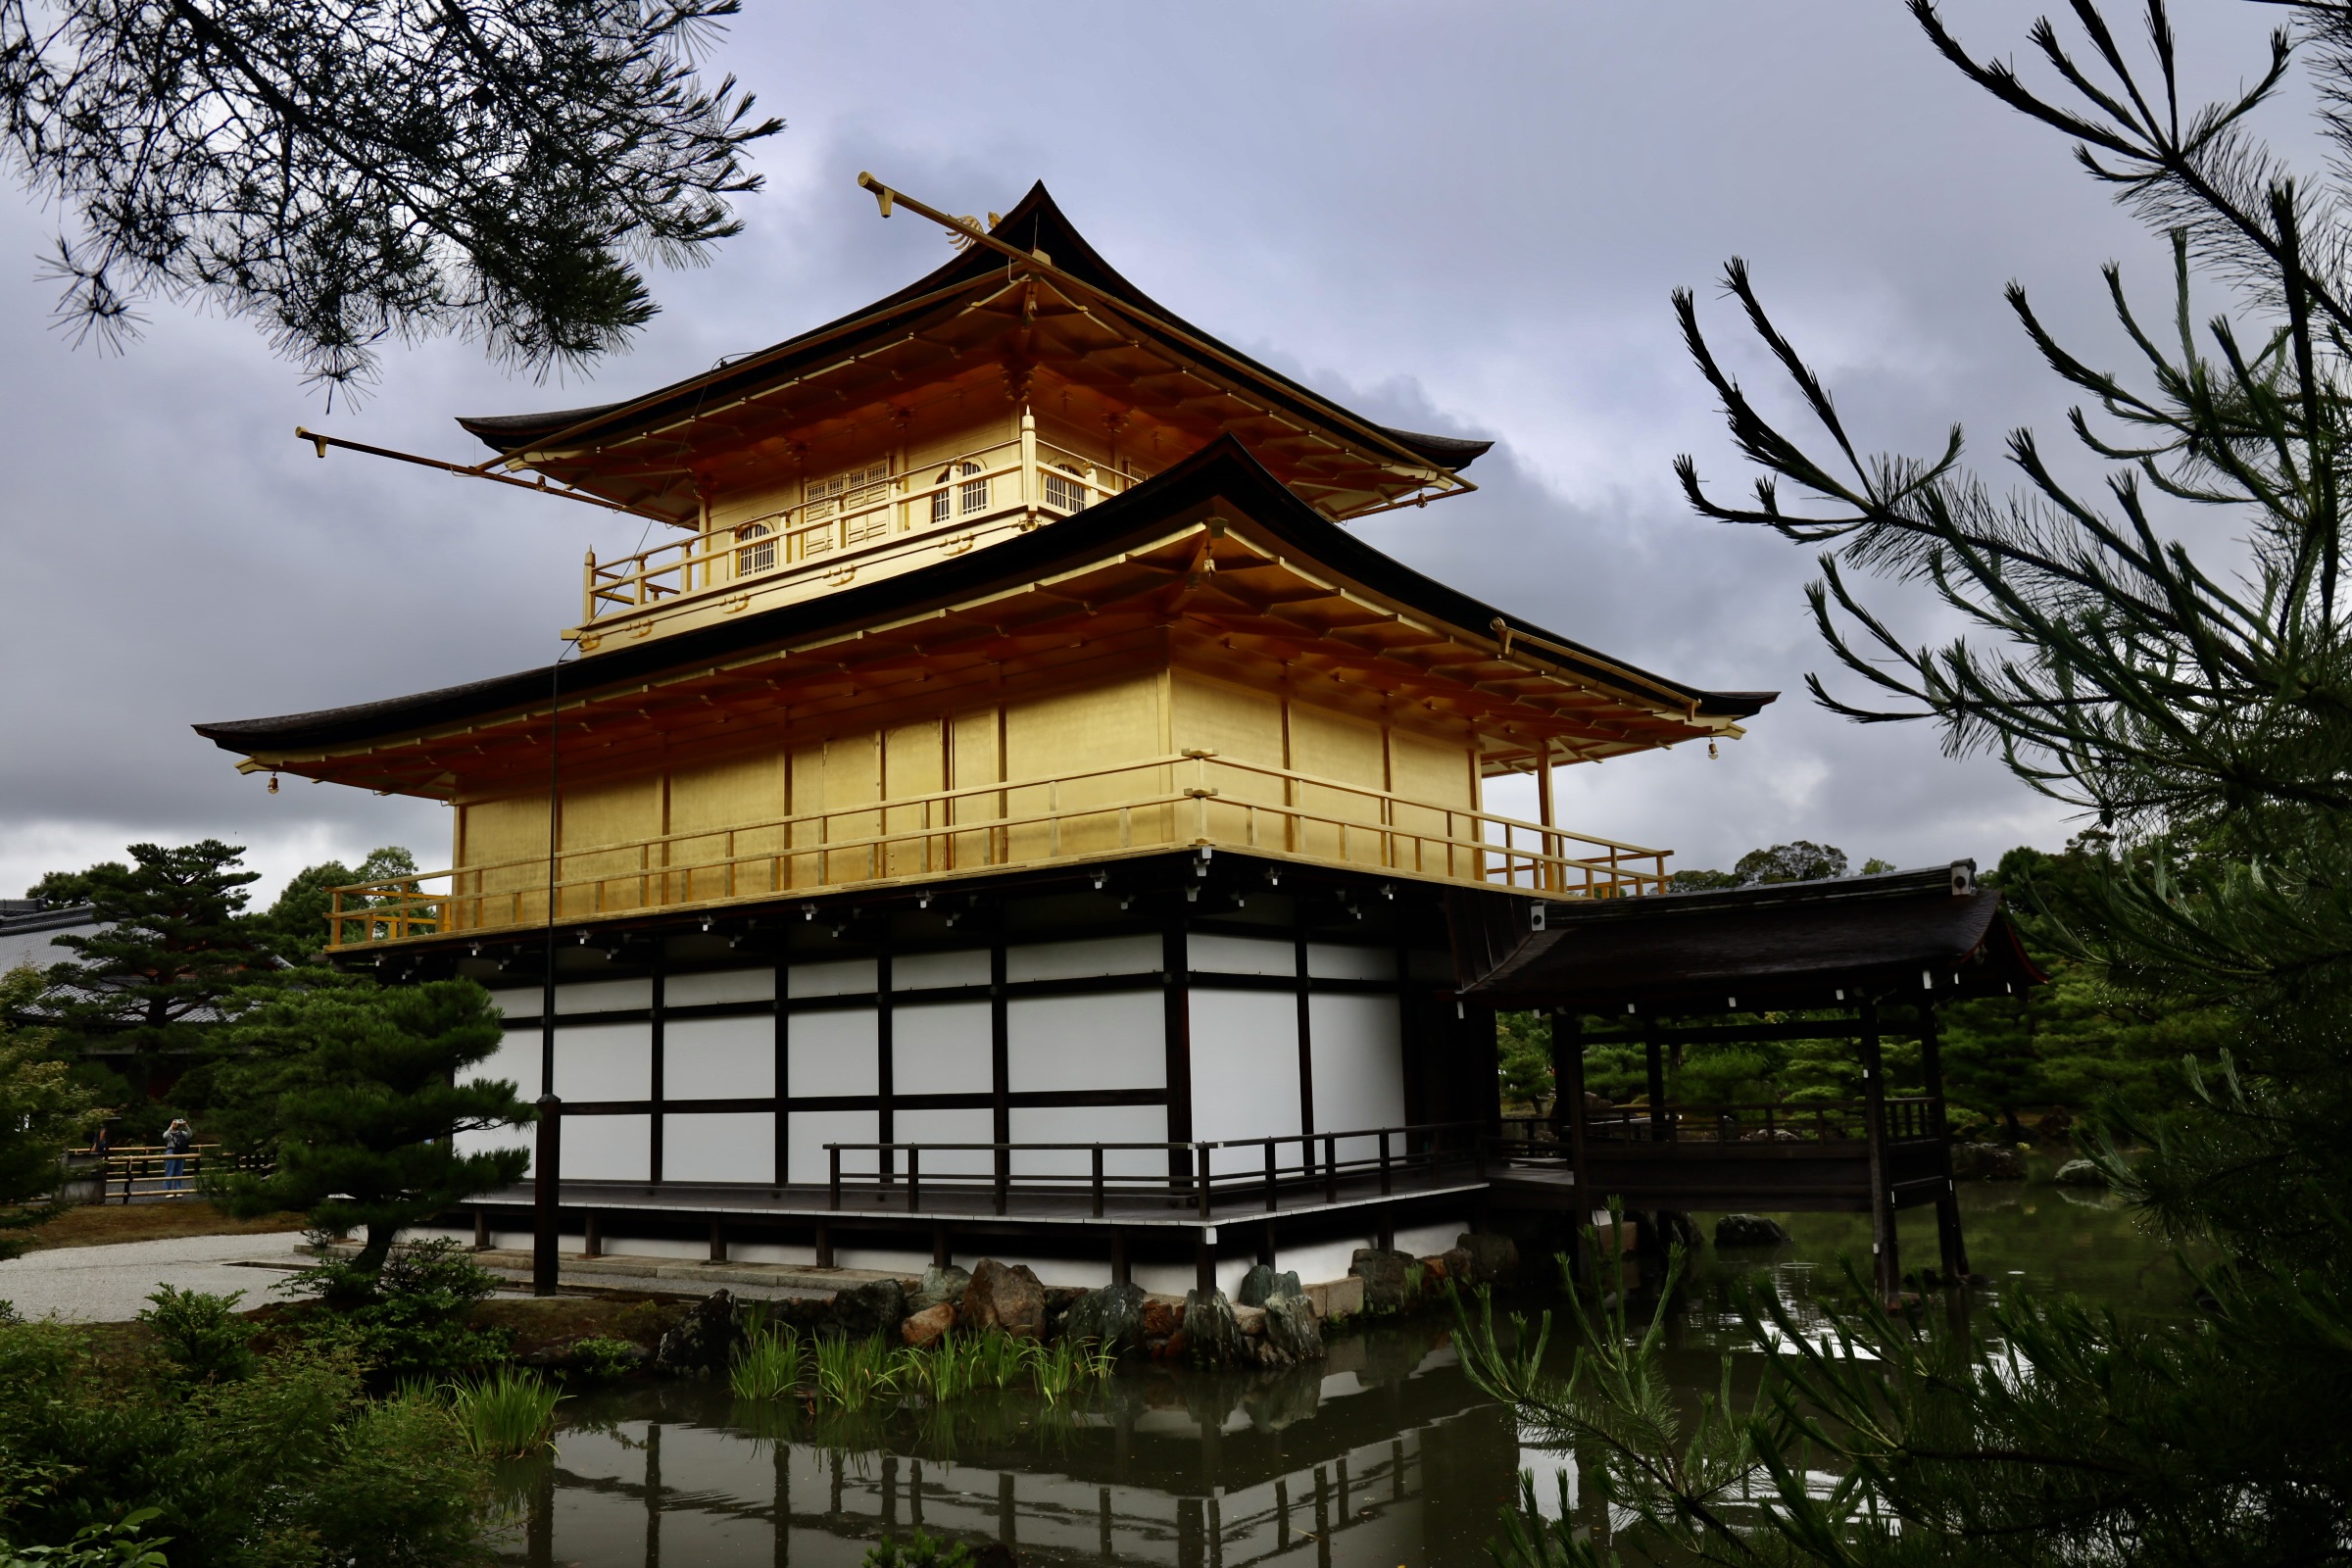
(731, 861)
(618, 812)
(1241, 726)
(915, 763)
(495, 831)
(1103, 731)
(975, 757)
(1438, 772)
(1345, 751)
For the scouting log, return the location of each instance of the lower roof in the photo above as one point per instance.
(1906, 936)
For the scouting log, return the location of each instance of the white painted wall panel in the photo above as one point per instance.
(608, 1149)
(833, 1052)
(718, 985)
(492, 1138)
(734, 1146)
(923, 972)
(605, 1061)
(942, 1048)
(1331, 961)
(1102, 1041)
(603, 996)
(1224, 955)
(1073, 961)
(718, 1058)
(1359, 1067)
(844, 977)
(947, 1127)
(1245, 1065)
(517, 1060)
(520, 1001)
(811, 1130)
(1088, 1124)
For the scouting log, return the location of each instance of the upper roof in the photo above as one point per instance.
(1268, 575)
(1061, 310)
(1903, 935)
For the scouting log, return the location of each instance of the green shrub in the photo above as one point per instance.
(920, 1551)
(119, 1544)
(408, 1320)
(603, 1359)
(288, 1466)
(201, 1333)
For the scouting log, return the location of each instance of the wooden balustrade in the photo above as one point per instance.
(1191, 798)
(1023, 477)
(1185, 1172)
(1908, 1119)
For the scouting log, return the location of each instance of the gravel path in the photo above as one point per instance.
(112, 1282)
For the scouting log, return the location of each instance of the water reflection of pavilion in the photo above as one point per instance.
(1382, 1455)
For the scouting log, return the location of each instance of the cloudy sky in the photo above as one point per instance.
(1461, 216)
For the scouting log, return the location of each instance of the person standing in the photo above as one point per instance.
(177, 1139)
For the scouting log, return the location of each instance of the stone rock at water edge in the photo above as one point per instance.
(1111, 1317)
(1390, 1279)
(1005, 1297)
(1210, 1333)
(940, 1285)
(870, 1310)
(1293, 1333)
(1748, 1230)
(704, 1339)
(2080, 1173)
(1263, 1282)
(925, 1327)
(1492, 1259)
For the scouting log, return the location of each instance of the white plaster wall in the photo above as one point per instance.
(940, 1048)
(718, 985)
(1227, 955)
(833, 1052)
(1090, 1124)
(518, 1002)
(843, 978)
(734, 1146)
(947, 1127)
(1331, 961)
(718, 1058)
(1117, 1041)
(610, 1149)
(605, 1061)
(1245, 1065)
(925, 971)
(811, 1130)
(1359, 1067)
(517, 1060)
(490, 1138)
(1137, 953)
(603, 996)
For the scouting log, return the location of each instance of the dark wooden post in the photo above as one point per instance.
(1568, 1076)
(1659, 1130)
(1950, 1242)
(1205, 1261)
(1874, 1117)
(546, 1195)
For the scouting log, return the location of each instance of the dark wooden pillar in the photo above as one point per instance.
(1659, 1130)
(1175, 963)
(547, 1196)
(1888, 1266)
(1951, 1243)
(1568, 1082)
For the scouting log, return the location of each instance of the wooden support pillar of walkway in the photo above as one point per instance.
(1888, 1267)
(1952, 1245)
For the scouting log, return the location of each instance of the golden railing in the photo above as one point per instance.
(1017, 477)
(1191, 797)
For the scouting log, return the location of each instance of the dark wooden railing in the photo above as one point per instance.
(140, 1170)
(1294, 1163)
(1908, 1119)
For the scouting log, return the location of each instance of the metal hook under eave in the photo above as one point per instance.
(882, 193)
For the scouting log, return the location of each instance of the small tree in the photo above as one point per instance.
(42, 1111)
(297, 924)
(176, 944)
(356, 1092)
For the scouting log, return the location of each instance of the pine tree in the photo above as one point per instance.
(175, 945)
(2198, 701)
(42, 1111)
(387, 169)
(354, 1094)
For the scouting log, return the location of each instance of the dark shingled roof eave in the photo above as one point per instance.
(1047, 225)
(1787, 943)
(1222, 470)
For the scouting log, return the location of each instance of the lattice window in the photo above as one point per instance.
(1062, 493)
(755, 548)
(847, 492)
(969, 496)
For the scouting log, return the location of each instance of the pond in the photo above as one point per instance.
(1383, 1454)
